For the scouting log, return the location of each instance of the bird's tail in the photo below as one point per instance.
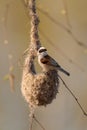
(64, 71)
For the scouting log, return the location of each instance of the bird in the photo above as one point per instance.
(47, 62)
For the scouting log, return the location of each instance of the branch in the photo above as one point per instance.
(67, 29)
(32, 116)
(62, 53)
(66, 13)
(73, 96)
(53, 20)
(38, 122)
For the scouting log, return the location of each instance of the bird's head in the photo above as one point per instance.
(42, 51)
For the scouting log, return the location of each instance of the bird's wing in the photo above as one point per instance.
(49, 61)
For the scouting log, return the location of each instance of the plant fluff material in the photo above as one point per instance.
(38, 89)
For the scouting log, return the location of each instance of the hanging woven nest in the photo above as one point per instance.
(39, 89)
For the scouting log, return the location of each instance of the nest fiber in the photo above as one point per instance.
(39, 89)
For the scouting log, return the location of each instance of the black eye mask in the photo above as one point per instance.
(42, 50)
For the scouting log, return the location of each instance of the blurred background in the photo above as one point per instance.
(63, 31)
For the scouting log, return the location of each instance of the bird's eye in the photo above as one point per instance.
(42, 50)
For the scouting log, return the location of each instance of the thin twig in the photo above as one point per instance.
(31, 123)
(67, 29)
(70, 27)
(6, 15)
(5, 20)
(38, 122)
(67, 14)
(31, 115)
(11, 76)
(62, 53)
(53, 20)
(73, 96)
(78, 41)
